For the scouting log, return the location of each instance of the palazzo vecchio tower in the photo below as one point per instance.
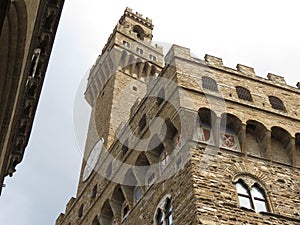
(180, 140)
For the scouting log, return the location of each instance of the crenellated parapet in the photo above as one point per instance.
(217, 63)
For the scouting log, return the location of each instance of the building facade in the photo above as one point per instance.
(27, 32)
(179, 140)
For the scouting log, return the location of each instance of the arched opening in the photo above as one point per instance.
(256, 139)
(153, 71)
(80, 211)
(281, 145)
(130, 179)
(204, 127)
(251, 197)
(139, 32)
(231, 132)
(96, 221)
(142, 160)
(277, 103)
(209, 84)
(163, 213)
(106, 214)
(244, 93)
(94, 192)
(119, 204)
(145, 69)
(144, 173)
(297, 150)
(155, 147)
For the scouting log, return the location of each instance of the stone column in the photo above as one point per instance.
(293, 151)
(216, 126)
(268, 145)
(244, 139)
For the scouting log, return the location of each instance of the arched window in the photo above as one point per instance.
(298, 149)
(244, 195)
(163, 215)
(125, 209)
(168, 212)
(96, 221)
(230, 134)
(80, 211)
(276, 103)
(209, 84)
(159, 217)
(94, 191)
(137, 194)
(252, 198)
(139, 32)
(259, 199)
(244, 94)
(106, 215)
(203, 131)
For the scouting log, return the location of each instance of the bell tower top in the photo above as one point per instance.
(129, 44)
(132, 27)
(137, 25)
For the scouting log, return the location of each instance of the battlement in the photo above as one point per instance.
(137, 16)
(216, 62)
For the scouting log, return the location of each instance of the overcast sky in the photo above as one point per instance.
(262, 34)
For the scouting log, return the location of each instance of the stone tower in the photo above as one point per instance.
(181, 140)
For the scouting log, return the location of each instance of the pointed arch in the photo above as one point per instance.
(96, 221)
(251, 193)
(139, 32)
(106, 214)
(163, 213)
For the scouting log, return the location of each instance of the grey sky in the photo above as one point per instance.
(261, 34)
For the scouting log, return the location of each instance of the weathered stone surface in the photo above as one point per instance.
(200, 177)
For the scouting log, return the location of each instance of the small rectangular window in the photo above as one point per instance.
(152, 57)
(139, 51)
(126, 44)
